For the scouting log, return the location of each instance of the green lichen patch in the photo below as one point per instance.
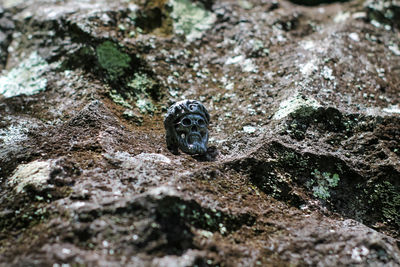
(112, 60)
(386, 197)
(137, 90)
(191, 19)
(119, 99)
(322, 183)
(140, 92)
(27, 78)
(133, 116)
(24, 217)
(143, 85)
(145, 105)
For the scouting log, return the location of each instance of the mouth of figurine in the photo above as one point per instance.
(194, 138)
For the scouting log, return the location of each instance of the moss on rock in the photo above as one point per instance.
(387, 196)
(112, 60)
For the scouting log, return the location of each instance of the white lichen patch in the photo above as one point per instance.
(206, 234)
(392, 109)
(235, 60)
(295, 104)
(191, 19)
(153, 157)
(327, 73)
(34, 174)
(249, 129)
(354, 36)
(308, 45)
(309, 68)
(341, 16)
(12, 134)
(12, 3)
(395, 49)
(160, 191)
(246, 64)
(27, 78)
(128, 161)
(230, 86)
(249, 66)
(314, 46)
(358, 253)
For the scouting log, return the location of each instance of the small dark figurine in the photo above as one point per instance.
(186, 127)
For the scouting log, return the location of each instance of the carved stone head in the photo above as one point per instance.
(186, 127)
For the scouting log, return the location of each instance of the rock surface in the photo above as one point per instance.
(305, 131)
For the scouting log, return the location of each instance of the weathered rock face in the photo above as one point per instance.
(305, 133)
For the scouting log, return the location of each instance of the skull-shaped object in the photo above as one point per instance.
(186, 127)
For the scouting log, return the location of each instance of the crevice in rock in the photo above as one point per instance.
(279, 170)
(164, 223)
(7, 26)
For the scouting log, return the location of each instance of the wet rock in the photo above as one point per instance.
(63, 172)
(302, 167)
(366, 247)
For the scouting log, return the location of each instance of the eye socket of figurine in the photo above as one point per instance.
(186, 122)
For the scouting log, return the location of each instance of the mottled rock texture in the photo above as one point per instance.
(305, 133)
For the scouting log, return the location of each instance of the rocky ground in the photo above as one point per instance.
(305, 117)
